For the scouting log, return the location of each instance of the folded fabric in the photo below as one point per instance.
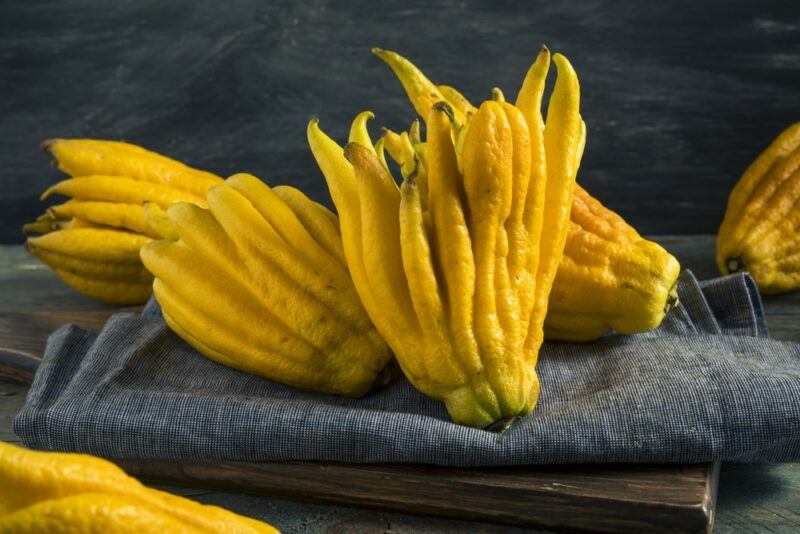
(706, 385)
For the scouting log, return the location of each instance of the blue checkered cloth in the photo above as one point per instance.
(706, 385)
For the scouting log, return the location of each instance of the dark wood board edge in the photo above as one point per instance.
(452, 493)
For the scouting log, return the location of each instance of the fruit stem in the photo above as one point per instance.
(735, 264)
(672, 297)
(501, 425)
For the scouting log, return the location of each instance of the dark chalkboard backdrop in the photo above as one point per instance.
(678, 96)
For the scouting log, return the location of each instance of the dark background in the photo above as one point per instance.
(678, 97)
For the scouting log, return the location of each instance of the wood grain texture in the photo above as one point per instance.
(589, 498)
(678, 97)
(25, 334)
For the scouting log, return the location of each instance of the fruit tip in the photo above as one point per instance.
(559, 58)
(501, 425)
(412, 176)
(445, 108)
(349, 150)
(497, 95)
(563, 64)
(47, 144)
(378, 51)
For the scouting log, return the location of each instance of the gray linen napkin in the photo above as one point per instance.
(707, 385)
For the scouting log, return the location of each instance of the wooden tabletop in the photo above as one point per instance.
(762, 498)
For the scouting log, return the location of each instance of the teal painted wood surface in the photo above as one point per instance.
(752, 498)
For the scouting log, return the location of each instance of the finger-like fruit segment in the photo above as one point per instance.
(39, 227)
(126, 292)
(318, 220)
(93, 244)
(380, 151)
(579, 314)
(111, 184)
(411, 160)
(379, 201)
(415, 132)
(562, 142)
(121, 189)
(98, 262)
(341, 180)
(114, 214)
(90, 512)
(459, 316)
(401, 150)
(457, 100)
(258, 283)
(421, 91)
(358, 130)
(158, 223)
(81, 493)
(497, 95)
(99, 270)
(451, 234)
(759, 233)
(88, 157)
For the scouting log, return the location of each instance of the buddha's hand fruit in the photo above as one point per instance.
(259, 282)
(459, 290)
(102, 263)
(92, 240)
(610, 277)
(92, 157)
(760, 233)
(43, 492)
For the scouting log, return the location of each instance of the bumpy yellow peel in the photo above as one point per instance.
(258, 282)
(464, 314)
(636, 277)
(62, 492)
(759, 233)
(90, 157)
(111, 184)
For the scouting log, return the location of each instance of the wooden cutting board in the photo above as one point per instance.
(602, 498)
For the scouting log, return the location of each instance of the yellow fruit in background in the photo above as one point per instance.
(610, 277)
(102, 263)
(111, 181)
(761, 230)
(120, 189)
(88, 157)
